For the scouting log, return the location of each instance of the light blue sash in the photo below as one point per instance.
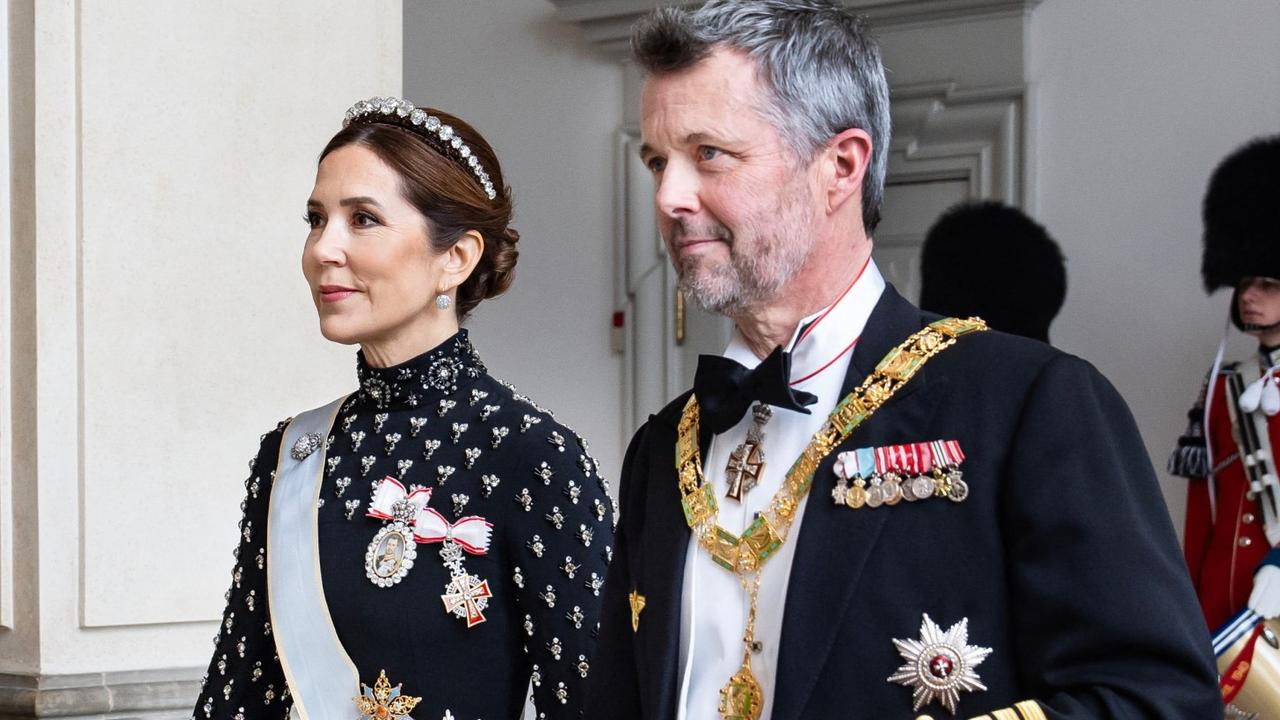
(322, 678)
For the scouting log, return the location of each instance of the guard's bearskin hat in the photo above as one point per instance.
(991, 260)
(1242, 218)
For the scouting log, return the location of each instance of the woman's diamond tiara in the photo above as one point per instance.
(402, 112)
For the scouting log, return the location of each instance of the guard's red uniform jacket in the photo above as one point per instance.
(1222, 551)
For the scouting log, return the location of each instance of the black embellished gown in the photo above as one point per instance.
(437, 421)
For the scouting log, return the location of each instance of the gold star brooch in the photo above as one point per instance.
(637, 604)
(384, 702)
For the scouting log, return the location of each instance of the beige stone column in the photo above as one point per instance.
(153, 319)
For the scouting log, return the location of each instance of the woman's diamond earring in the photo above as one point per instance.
(444, 302)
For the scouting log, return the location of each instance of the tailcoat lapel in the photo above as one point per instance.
(834, 543)
(661, 578)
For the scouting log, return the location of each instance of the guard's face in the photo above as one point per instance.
(734, 206)
(1258, 300)
(368, 258)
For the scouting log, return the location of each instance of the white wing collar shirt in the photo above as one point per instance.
(714, 607)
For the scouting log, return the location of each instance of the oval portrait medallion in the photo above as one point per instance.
(390, 555)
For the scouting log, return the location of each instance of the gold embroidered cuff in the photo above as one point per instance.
(1025, 710)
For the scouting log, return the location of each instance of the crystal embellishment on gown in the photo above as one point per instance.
(305, 445)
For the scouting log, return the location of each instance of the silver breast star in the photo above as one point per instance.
(940, 664)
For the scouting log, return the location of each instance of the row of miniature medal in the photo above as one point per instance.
(880, 475)
(911, 472)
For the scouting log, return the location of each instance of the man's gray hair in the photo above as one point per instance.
(821, 68)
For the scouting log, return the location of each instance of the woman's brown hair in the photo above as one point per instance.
(448, 194)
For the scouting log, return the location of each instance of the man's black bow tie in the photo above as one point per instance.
(725, 389)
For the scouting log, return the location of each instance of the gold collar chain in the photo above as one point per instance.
(745, 554)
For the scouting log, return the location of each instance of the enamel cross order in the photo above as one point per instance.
(746, 462)
(465, 595)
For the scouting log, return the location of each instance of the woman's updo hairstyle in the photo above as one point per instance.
(447, 171)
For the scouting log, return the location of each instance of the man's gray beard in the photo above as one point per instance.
(743, 282)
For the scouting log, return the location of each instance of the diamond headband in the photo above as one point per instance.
(402, 113)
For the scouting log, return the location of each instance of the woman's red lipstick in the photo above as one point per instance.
(335, 293)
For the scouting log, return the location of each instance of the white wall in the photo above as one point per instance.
(550, 108)
(1134, 104)
(155, 268)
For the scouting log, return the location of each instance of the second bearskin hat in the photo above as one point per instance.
(992, 260)
(1242, 216)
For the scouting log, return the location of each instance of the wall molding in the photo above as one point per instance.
(944, 133)
(607, 23)
(146, 694)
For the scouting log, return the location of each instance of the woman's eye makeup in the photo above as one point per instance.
(362, 218)
(359, 218)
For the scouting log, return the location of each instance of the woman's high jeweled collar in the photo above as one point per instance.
(437, 373)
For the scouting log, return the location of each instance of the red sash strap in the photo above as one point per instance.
(1233, 679)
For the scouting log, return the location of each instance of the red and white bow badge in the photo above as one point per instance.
(471, 533)
(466, 595)
(392, 552)
(390, 492)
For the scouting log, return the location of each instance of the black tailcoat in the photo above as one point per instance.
(1063, 558)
